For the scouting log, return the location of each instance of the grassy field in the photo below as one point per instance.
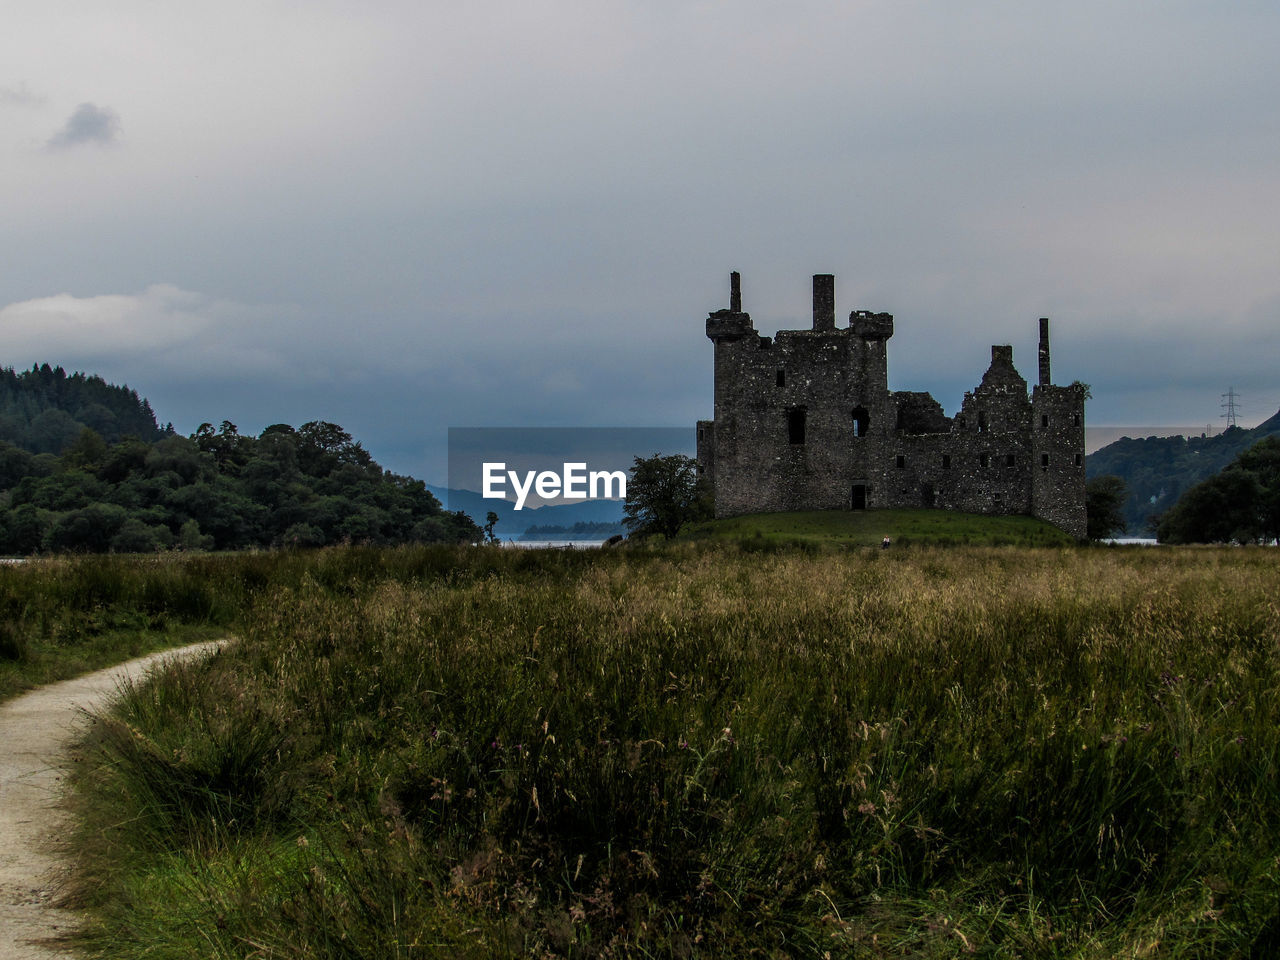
(866, 528)
(64, 616)
(698, 751)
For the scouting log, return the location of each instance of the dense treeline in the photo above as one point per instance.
(1241, 504)
(44, 410)
(1157, 471)
(84, 467)
(217, 489)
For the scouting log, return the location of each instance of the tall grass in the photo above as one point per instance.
(868, 527)
(702, 752)
(65, 616)
(61, 617)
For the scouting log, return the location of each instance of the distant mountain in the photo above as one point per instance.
(1157, 470)
(579, 531)
(512, 523)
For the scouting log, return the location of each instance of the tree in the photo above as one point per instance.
(1222, 509)
(227, 447)
(23, 529)
(190, 537)
(1263, 461)
(182, 458)
(446, 527)
(1240, 504)
(88, 530)
(323, 446)
(135, 536)
(123, 460)
(88, 450)
(15, 463)
(1103, 502)
(304, 535)
(663, 494)
(490, 521)
(52, 432)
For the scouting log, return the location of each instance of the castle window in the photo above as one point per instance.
(946, 461)
(982, 422)
(1009, 460)
(984, 460)
(1079, 459)
(782, 378)
(861, 421)
(1044, 420)
(1075, 421)
(1044, 459)
(901, 462)
(795, 425)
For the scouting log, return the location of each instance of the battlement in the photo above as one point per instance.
(726, 326)
(871, 326)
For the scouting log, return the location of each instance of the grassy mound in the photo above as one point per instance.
(707, 752)
(867, 528)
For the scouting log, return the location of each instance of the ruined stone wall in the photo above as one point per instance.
(806, 421)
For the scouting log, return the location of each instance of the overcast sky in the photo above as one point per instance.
(406, 216)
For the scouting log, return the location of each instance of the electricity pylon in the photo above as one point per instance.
(1229, 405)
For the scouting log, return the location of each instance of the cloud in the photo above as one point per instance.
(20, 95)
(88, 124)
(524, 213)
(163, 327)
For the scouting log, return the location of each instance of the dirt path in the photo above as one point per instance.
(36, 731)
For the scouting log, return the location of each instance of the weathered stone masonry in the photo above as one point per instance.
(806, 421)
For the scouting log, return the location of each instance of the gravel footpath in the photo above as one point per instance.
(37, 731)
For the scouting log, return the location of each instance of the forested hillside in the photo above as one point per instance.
(44, 409)
(1241, 504)
(1158, 470)
(134, 487)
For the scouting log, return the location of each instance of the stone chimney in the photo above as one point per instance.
(1044, 352)
(824, 303)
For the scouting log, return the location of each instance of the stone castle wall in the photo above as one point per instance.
(805, 421)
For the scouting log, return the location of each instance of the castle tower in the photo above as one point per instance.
(1057, 444)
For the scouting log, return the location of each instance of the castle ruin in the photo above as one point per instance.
(806, 421)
